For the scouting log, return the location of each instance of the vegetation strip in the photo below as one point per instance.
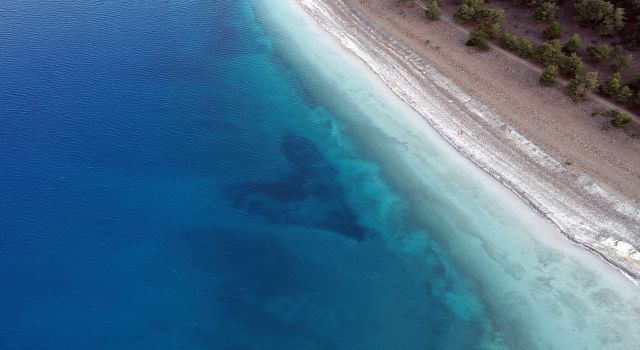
(555, 57)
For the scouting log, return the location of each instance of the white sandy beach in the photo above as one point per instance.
(586, 211)
(538, 287)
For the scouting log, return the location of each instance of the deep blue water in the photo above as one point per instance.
(168, 182)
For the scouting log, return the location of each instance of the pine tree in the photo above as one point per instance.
(467, 10)
(545, 12)
(433, 10)
(622, 62)
(623, 94)
(611, 86)
(573, 44)
(599, 53)
(618, 19)
(581, 85)
(548, 76)
(618, 119)
(572, 65)
(552, 31)
(478, 39)
(549, 52)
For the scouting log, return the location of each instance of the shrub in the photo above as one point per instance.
(618, 119)
(495, 30)
(549, 52)
(612, 23)
(531, 3)
(599, 53)
(478, 39)
(622, 62)
(488, 16)
(548, 76)
(573, 44)
(512, 42)
(617, 50)
(618, 20)
(611, 86)
(433, 10)
(635, 82)
(524, 47)
(508, 40)
(599, 13)
(467, 10)
(605, 28)
(552, 31)
(623, 94)
(582, 84)
(592, 11)
(545, 12)
(474, 3)
(464, 13)
(572, 65)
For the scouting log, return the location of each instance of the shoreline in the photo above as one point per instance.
(586, 212)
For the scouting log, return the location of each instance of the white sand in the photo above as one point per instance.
(582, 209)
(531, 278)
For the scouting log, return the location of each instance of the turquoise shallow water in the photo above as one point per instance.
(220, 175)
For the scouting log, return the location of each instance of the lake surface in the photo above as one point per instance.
(220, 175)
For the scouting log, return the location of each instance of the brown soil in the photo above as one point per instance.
(545, 116)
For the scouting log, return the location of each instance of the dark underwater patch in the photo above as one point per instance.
(308, 195)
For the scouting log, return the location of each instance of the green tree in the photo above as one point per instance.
(478, 39)
(592, 11)
(617, 50)
(618, 20)
(552, 31)
(611, 86)
(545, 12)
(531, 3)
(467, 10)
(635, 81)
(512, 42)
(572, 65)
(600, 52)
(606, 27)
(488, 16)
(524, 47)
(573, 44)
(622, 62)
(495, 30)
(548, 76)
(612, 23)
(433, 10)
(619, 119)
(582, 84)
(464, 13)
(623, 94)
(614, 88)
(508, 40)
(549, 52)
(600, 14)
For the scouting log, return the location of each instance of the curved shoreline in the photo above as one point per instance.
(584, 211)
